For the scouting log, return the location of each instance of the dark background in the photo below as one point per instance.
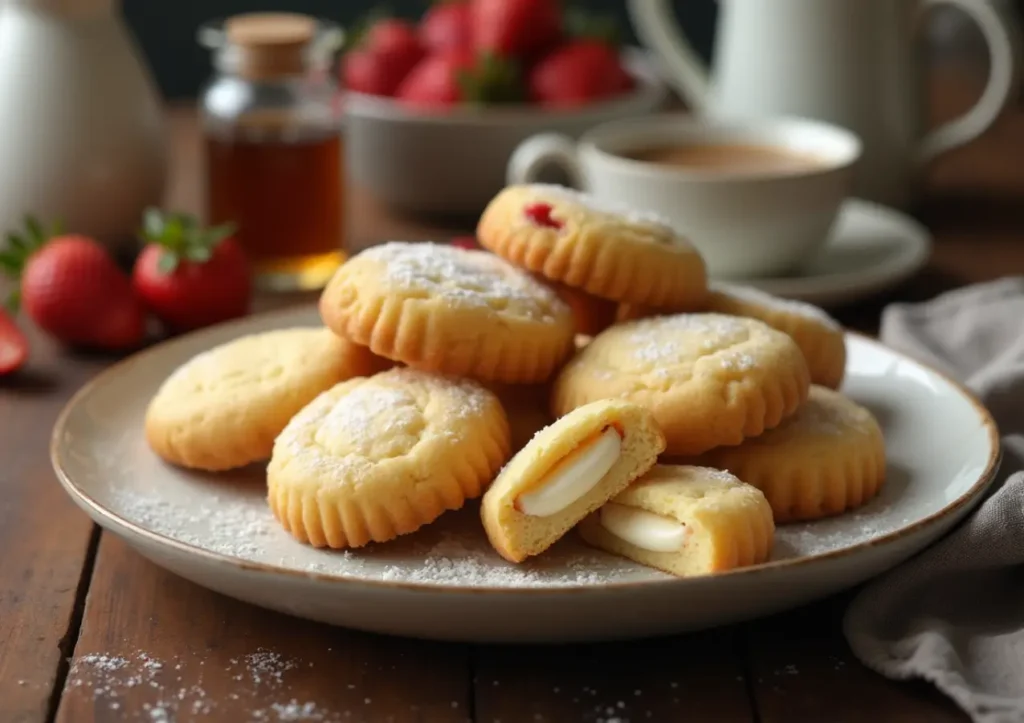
(166, 29)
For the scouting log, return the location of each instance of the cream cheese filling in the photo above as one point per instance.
(643, 529)
(573, 477)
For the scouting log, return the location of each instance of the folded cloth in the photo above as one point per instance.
(954, 614)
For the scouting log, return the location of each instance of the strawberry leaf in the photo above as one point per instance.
(584, 24)
(16, 243)
(11, 264)
(35, 230)
(199, 254)
(181, 238)
(492, 80)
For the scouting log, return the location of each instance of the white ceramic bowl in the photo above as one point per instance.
(454, 162)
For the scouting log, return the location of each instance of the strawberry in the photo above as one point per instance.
(466, 242)
(447, 25)
(576, 73)
(72, 289)
(13, 345)
(458, 76)
(382, 57)
(190, 276)
(515, 28)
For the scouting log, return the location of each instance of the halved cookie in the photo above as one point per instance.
(709, 379)
(827, 458)
(223, 408)
(685, 521)
(611, 251)
(374, 458)
(565, 472)
(450, 310)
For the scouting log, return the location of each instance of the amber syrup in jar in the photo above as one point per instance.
(274, 149)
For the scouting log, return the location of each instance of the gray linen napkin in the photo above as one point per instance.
(954, 614)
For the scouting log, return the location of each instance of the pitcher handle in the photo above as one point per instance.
(1004, 46)
(537, 151)
(657, 29)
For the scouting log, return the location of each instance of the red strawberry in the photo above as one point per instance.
(577, 73)
(446, 26)
(517, 28)
(72, 289)
(458, 76)
(384, 55)
(190, 276)
(13, 345)
(466, 242)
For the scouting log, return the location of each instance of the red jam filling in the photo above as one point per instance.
(540, 214)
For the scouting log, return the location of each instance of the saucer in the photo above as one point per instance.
(871, 248)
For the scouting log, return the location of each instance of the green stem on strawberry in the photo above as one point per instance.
(492, 80)
(581, 23)
(20, 246)
(181, 237)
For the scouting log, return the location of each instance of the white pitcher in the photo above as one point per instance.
(82, 133)
(855, 63)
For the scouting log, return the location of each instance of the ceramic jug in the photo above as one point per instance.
(855, 63)
(81, 126)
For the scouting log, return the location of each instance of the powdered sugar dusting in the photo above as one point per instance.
(366, 411)
(347, 428)
(665, 339)
(137, 684)
(603, 205)
(754, 295)
(825, 412)
(464, 277)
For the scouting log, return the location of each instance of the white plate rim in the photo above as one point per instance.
(114, 522)
(917, 244)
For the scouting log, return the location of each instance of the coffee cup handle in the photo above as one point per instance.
(530, 157)
(1004, 46)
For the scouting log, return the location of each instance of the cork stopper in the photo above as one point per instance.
(270, 45)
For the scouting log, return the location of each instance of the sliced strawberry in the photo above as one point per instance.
(13, 345)
(447, 26)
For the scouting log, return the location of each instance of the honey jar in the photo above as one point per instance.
(274, 145)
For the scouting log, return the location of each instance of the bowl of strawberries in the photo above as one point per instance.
(435, 108)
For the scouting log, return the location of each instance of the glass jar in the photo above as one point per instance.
(274, 145)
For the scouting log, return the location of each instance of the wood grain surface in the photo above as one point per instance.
(146, 645)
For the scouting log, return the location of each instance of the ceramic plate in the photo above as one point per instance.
(445, 582)
(872, 248)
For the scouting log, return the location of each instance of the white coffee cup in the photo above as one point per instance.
(746, 223)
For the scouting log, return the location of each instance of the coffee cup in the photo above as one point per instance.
(757, 198)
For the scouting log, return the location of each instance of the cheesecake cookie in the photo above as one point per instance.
(223, 408)
(827, 458)
(685, 521)
(565, 472)
(449, 310)
(819, 336)
(606, 250)
(378, 457)
(709, 379)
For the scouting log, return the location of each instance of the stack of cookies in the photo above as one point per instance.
(579, 374)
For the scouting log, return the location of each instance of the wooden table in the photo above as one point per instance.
(89, 630)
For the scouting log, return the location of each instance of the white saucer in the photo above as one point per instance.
(872, 248)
